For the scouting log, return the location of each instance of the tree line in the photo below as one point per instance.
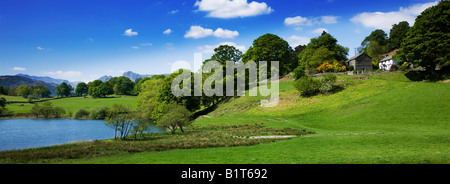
(426, 44)
(116, 85)
(34, 92)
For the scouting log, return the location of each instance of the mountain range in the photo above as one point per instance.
(49, 79)
(51, 83)
(131, 75)
(12, 81)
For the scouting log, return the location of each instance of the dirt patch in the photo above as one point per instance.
(446, 81)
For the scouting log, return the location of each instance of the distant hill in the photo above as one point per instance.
(131, 75)
(105, 78)
(12, 81)
(48, 79)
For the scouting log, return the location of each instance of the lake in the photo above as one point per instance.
(31, 133)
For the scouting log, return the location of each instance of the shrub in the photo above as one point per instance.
(2, 102)
(46, 110)
(99, 113)
(312, 71)
(326, 83)
(5, 112)
(307, 86)
(393, 68)
(58, 111)
(299, 72)
(404, 66)
(81, 113)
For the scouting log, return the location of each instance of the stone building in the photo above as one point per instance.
(360, 63)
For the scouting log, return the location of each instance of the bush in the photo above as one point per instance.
(81, 113)
(58, 111)
(312, 71)
(307, 86)
(99, 113)
(404, 66)
(2, 102)
(5, 112)
(299, 72)
(393, 68)
(326, 83)
(46, 110)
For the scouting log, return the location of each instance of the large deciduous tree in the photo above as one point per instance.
(81, 89)
(270, 47)
(63, 90)
(397, 35)
(320, 50)
(427, 43)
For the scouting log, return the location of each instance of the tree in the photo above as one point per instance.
(2, 102)
(147, 100)
(92, 85)
(81, 89)
(375, 51)
(122, 85)
(397, 35)
(40, 91)
(225, 53)
(24, 91)
(427, 43)
(322, 49)
(192, 102)
(121, 119)
(99, 89)
(4, 90)
(176, 116)
(270, 47)
(378, 35)
(63, 90)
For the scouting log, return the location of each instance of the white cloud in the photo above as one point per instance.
(66, 74)
(207, 49)
(319, 30)
(167, 31)
(145, 44)
(173, 12)
(224, 33)
(200, 32)
(232, 8)
(42, 48)
(298, 20)
(303, 21)
(385, 20)
(329, 19)
(19, 69)
(169, 46)
(295, 41)
(129, 32)
(135, 47)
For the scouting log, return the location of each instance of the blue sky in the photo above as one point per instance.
(82, 40)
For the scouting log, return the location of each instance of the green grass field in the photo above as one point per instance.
(385, 119)
(73, 104)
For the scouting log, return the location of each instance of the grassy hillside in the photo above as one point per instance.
(385, 119)
(382, 119)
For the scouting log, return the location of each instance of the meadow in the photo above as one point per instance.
(72, 104)
(370, 119)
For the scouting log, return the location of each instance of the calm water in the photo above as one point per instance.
(29, 133)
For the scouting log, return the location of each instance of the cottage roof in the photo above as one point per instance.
(355, 57)
(389, 55)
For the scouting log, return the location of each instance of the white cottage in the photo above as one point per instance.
(387, 61)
